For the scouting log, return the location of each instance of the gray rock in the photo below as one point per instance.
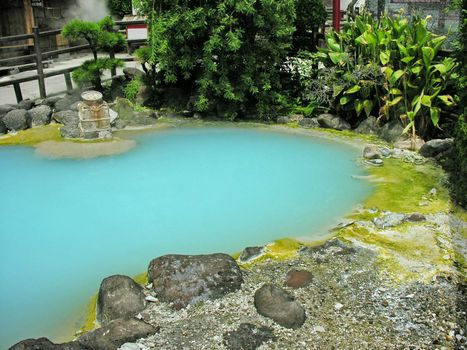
(51, 101)
(130, 346)
(4, 109)
(117, 333)
(131, 73)
(282, 120)
(16, 119)
(119, 296)
(374, 162)
(64, 103)
(46, 344)
(391, 131)
(26, 104)
(66, 117)
(71, 132)
(187, 279)
(280, 306)
(389, 220)
(416, 217)
(40, 115)
(74, 106)
(309, 123)
(3, 128)
(248, 337)
(371, 152)
(435, 147)
(368, 126)
(129, 117)
(409, 144)
(250, 253)
(331, 121)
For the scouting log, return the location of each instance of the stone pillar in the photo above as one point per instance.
(94, 116)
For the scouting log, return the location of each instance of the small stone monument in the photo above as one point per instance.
(94, 116)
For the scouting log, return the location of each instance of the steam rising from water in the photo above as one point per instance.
(89, 10)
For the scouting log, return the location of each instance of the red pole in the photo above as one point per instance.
(336, 14)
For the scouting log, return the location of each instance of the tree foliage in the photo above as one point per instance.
(230, 53)
(100, 36)
(119, 8)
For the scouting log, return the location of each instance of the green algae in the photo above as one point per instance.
(405, 188)
(90, 317)
(30, 137)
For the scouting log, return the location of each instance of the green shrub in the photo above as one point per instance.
(119, 8)
(131, 89)
(91, 71)
(229, 54)
(415, 81)
(100, 36)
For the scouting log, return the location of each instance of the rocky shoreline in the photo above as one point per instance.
(393, 276)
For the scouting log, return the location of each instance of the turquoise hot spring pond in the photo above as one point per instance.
(65, 224)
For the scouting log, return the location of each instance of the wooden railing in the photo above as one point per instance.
(38, 58)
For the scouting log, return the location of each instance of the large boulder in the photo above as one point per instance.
(16, 119)
(131, 73)
(3, 128)
(368, 126)
(389, 220)
(4, 109)
(119, 296)
(116, 333)
(66, 117)
(70, 121)
(371, 152)
(187, 279)
(127, 116)
(435, 147)
(46, 344)
(50, 101)
(331, 121)
(391, 131)
(247, 337)
(309, 123)
(40, 115)
(26, 104)
(64, 103)
(275, 303)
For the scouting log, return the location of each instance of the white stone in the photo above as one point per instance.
(149, 286)
(113, 115)
(151, 299)
(338, 306)
(319, 329)
(129, 346)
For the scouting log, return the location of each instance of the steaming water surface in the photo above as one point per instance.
(66, 224)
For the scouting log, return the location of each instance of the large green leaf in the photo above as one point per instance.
(395, 101)
(358, 104)
(407, 59)
(370, 38)
(338, 57)
(416, 69)
(333, 45)
(352, 90)
(396, 76)
(426, 100)
(336, 90)
(344, 100)
(384, 56)
(368, 107)
(434, 114)
(447, 99)
(428, 55)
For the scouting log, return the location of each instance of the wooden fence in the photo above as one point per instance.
(38, 58)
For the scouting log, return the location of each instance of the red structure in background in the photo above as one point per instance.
(336, 15)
